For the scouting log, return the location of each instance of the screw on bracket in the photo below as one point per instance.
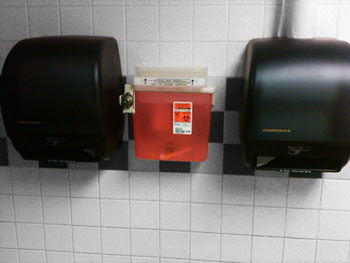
(127, 100)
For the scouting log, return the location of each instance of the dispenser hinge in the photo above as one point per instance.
(127, 100)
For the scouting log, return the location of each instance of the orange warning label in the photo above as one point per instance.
(182, 106)
(182, 116)
(182, 119)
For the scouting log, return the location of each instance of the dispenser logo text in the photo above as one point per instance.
(277, 130)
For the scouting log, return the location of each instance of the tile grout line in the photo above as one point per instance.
(177, 202)
(182, 231)
(221, 217)
(59, 18)
(126, 59)
(92, 19)
(338, 19)
(42, 212)
(130, 232)
(177, 231)
(122, 255)
(190, 225)
(159, 216)
(252, 233)
(14, 213)
(263, 18)
(126, 50)
(285, 221)
(98, 171)
(169, 41)
(27, 18)
(228, 8)
(318, 222)
(193, 42)
(100, 210)
(71, 212)
(158, 25)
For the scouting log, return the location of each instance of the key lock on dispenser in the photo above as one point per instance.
(171, 113)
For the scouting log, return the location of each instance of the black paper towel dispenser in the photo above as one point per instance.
(60, 98)
(296, 104)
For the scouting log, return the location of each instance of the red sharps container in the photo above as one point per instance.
(172, 114)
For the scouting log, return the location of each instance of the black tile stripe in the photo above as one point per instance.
(216, 133)
(174, 167)
(306, 175)
(130, 127)
(233, 94)
(4, 159)
(234, 160)
(119, 160)
(47, 164)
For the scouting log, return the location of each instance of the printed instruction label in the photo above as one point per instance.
(182, 118)
(139, 81)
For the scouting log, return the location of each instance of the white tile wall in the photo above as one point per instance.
(206, 188)
(5, 180)
(269, 221)
(8, 255)
(145, 243)
(205, 217)
(30, 236)
(76, 20)
(57, 257)
(6, 209)
(175, 187)
(236, 248)
(87, 258)
(299, 250)
(109, 21)
(175, 216)
(267, 249)
(87, 239)
(144, 214)
(176, 23)
(175, 244)
(8, 230)
(27, 256)
(58, 237)
(43, 21)
(301, 223)
(205, 246)
(114, 184)
(115, 241)
(332, 251)
(54, 182)
(114, 213)
(28, 209)
(56, 210)
(85, 215)
(84, 183)
(237, 219)
(25, 181)
(85, 212)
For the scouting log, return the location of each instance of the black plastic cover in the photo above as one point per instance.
(296, 104)
(60, 98)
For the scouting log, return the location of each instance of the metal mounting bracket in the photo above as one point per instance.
(127, 100)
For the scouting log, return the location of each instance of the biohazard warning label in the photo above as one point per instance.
(182, 118)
